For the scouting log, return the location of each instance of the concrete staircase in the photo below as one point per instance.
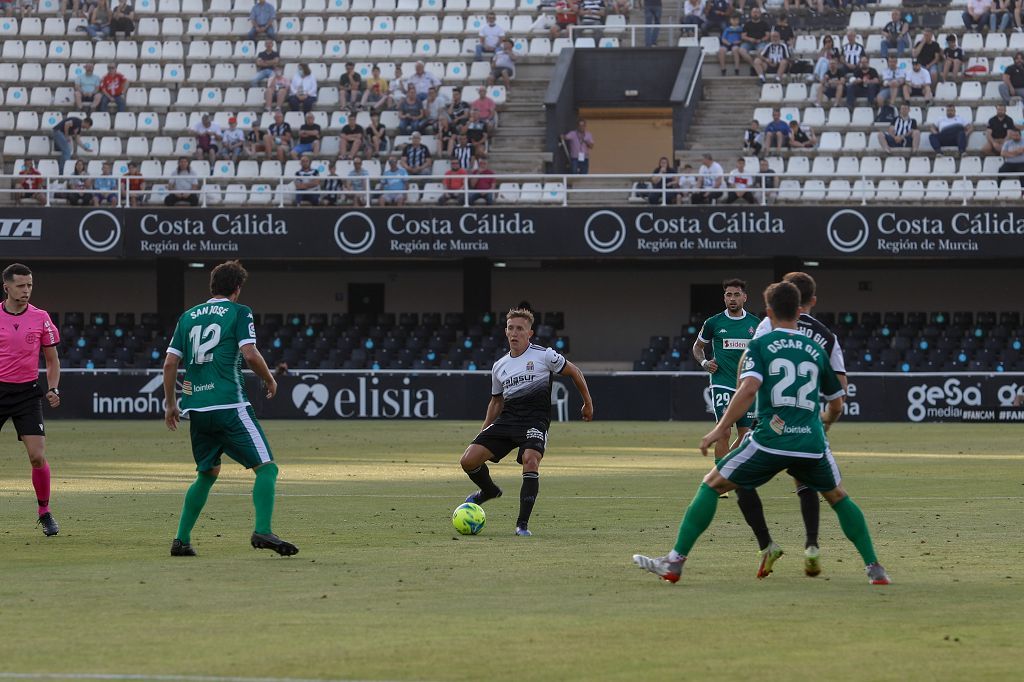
(724, 112)
(518, 146)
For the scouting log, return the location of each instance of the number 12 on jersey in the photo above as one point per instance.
(202, 340)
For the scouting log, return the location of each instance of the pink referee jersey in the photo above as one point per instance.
(22, 338)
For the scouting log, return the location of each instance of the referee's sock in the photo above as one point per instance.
(527, 497)
(810, 509)
(41, 482)
(482, 477)
(753, 513)
(195, 500)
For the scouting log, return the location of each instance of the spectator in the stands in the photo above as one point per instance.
(444, 134)
(350, 87)
(332, 186)
(503, 64)
(483, 184)
(31, 184)
(208, 138)
(1003, 14)
(309, 138)
(279, 137)
(490, 36)
(1013, 79)
(711, 180)
(376, 135)
(851, 50)
(579, 141)
(864, 82)
(100, 17)
(463, 151)
(434, 106)
(928, 53)
(397, 88)
(105, 186)
(717, 15)
(693, 13)
(87, 90)
(351, 139)
(486, 109)
(232, 141)
(266, 61)
(358, 182)
(893, 78)
(591, 13)
(995, 134)
(785, 31)
(826, 54)
(813, 5)
(113, 88)
(730, 42)
(801, 137)
(422, 80)
(66, 136)
(416, 157)
(183, 186)
(302, 93)
(952, 59)
(896, 35)
(1013, 155)
(255, 140)
(277, 90)
(454, 182)
(652, 17)
(755, 34)
(123, 20)
(662, 182)
(686, 184)
(767, 182)
(776, 133)
(919, 83)
(976, 16)
(740, 183)
(753, 138)
(307, 183)
(134, 185)
(375, 94)
(951, 130)
(79, 185)
(476, 133)
(393, 184)
(774, 56)
(902, 133)
(458, 110)
(565, 15)
(410, 113)
(833, 82)
(262, 18)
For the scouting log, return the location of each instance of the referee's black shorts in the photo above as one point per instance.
(23, 405)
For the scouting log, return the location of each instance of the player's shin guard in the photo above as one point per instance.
(753, 513)
(263, 496)
(41, 483)
(855, 527)
(482, 477)
(810, 509)
(697, 518)
(195, 500)
(527, 497)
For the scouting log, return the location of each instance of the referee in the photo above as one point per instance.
(24, 331)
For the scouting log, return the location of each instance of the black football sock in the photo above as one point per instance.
(527, 497)
(753, 513)
(482, 477)
(810, 508)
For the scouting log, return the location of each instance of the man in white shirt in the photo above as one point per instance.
(918, 83)
(422, 80)
(710, 178)
(741, 182)
(490, 37)
(951, 130)
(208, 139)
(233, 140)
(893, 78)
(976, 16)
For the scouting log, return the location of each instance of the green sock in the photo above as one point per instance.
(855, 527)
(195, 500)
(263, 496)
(697, 519)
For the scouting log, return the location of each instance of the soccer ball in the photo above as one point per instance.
(469, 518)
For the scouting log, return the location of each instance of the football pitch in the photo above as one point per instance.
(384, 589)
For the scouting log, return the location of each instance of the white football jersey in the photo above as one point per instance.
(525, 384)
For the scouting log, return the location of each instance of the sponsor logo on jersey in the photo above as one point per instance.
(535, 434)
(751, 330)
(735, 344)
(805, 430)
(199, 388)
(186, 387)
(748, 364)
(529, 366)
(778, 425)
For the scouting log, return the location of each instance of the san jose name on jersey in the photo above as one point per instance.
(525, 383)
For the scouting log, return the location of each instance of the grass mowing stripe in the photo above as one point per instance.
(162, 678)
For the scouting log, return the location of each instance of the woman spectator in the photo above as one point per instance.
(303, 91)
(98, 27)
(123, 20)
(828, 52)
(79, 185)
(277, 90)
(662, 183)
(376, 135)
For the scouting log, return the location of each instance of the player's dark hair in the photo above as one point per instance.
(523, 313)
(784, 300)
(803, 282)
(15, 269)
(227, 278)
(734, 282)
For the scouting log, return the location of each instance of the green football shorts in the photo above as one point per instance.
(720, 397)
(749, 466)
(232, 431)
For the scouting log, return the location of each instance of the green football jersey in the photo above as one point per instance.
(793, 370)
(208, 339)
(728, 337)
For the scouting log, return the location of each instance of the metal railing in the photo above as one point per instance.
(689, 34)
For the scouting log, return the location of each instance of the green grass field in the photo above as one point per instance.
(383, 588)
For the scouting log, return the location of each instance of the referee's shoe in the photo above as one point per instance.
(49, 524)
